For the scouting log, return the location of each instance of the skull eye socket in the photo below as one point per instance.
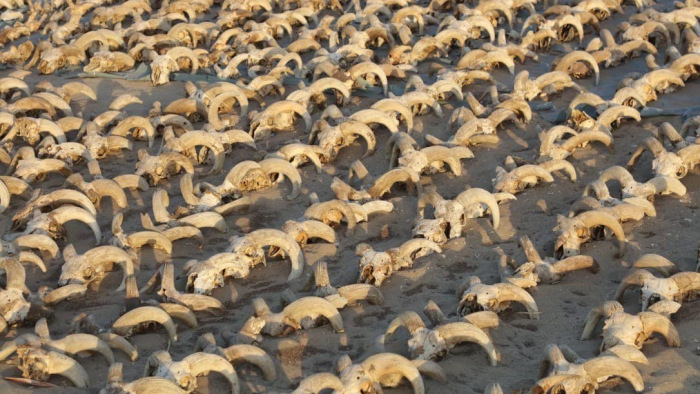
(250, 251)
(559, 252)
(682, 171)
(654, 298)
(88, 273)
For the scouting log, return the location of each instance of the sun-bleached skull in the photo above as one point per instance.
(202, 279)
(246, 250)
(51, 60)
(415, 160)
(432, 229)
(331, 139)
(426, 344)
(453, 213)
(622, 329)
(161, 67)
(254, 179)
(476, 296)
(375, 267)
(659, 289)
(14, 308)
(205, 276)
(669, 164)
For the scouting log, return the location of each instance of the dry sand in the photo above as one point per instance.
(673, 233)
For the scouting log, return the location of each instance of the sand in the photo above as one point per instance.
(673, 233)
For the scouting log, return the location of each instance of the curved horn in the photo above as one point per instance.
(628, 353)
(559, 164)
(77, 343)
(67, 213)
(476, 195)
(202, 363)
(283, 167)
(483, 319)
(204, 220)
(192, 139)
(455, 333)
(657, 323)
(601, 218)
(370, 67)
(546, 385)
(140, 238)
(383, 184)
(314, 306)
(32, 258)
(532, 170)
(128, 321)
(180, 312)
(238, 354)
(360, 291)
(587, 136)
(658, 263)
(131, 181)
(285, 242)
(578, 56)
(652, 144)
(178, 52)
(120, 343)
(319, 86)
(213, 111)
(553, 134)
(111, 254)
(666, 185)
(17, 186)
(318, 229)
(612, 114)
(153, 385)
(108, 187)
(410, 247)
(607, 366)
(574, 263)
(160, 202)
(451, 156)
(509, 292)
(317, 212)
(619, 174)
(592, 319)
(63, 293)
(135, 122)
(664, 75)
(687, 281)
(15, 274)
(122, 101)
(59, 364)
(361, 129)
(319, 382)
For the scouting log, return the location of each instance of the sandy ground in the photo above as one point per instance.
(673, 233)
